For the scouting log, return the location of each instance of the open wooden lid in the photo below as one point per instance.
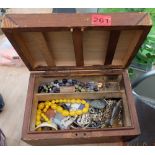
(54, 41)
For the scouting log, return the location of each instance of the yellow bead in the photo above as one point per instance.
(59, 109)
(60, 100)
(73, 101)
(64, 100)
(78, 101)
(72, 113)
(46, 103)
(47, 106)
(41, 106)
(38, 112)
(56, 101)
(86, 105)
(54, 106)
(45, 109)
(65, 113)
(85, 110)
(79, 112)
(46, 119)
(38, 117)
(53, 101)
(38, 123)
(83, 102)
(68, 100)
(42, 115)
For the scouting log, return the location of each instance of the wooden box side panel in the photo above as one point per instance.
(131, 102)
(28, 106)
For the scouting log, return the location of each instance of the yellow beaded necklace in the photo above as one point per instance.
(44, 106)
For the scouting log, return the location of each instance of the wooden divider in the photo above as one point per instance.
(81, 95)
(48, 55)
(77, 37)
(113, 40)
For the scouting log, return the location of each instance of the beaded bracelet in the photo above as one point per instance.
(53, 104)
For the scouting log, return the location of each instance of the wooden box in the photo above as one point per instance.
(81, 46)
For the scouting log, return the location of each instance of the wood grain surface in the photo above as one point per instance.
(73, 20)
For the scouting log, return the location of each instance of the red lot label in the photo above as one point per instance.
(101, 20)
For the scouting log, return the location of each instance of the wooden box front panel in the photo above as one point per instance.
(79, 136)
